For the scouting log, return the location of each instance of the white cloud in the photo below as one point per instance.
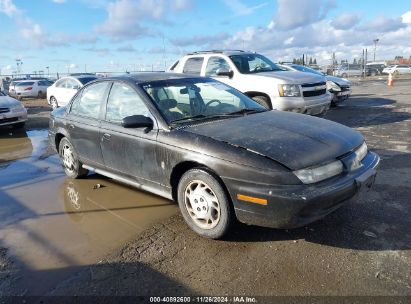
(125, 17)
(406, 18)
(240, 9)
(7, 7)
(296, 13)
(345, 21)
(59, 1)
(383, 24)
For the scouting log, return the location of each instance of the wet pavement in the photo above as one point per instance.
(58, 231)
(51, 225)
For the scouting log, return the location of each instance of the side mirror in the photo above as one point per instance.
(225, 72)
(137, 121)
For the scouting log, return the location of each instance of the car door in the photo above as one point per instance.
(130, 152)
(84, 123)
(58, 89)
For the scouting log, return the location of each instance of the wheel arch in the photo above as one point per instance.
(182, 167)
(252, 94)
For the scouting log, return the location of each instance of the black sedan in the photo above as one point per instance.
(217, 152)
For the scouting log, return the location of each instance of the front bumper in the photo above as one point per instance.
(291, 206)
(305, 105)
(10, 118)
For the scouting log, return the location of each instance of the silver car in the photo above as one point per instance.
(12, 112)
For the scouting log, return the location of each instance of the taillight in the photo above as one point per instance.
(28, 89)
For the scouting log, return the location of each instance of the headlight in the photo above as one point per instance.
(289, 90)
(362, 151)
(316, 174)
(17, 108)
(331, 85)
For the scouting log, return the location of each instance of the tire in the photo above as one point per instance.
(213, 213)
(262, 101)
(19, 125)
(69, 160)
(53, 102)
(344, 75)
(40, 94)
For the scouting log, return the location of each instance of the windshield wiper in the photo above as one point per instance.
(247, 111)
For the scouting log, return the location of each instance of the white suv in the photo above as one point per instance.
(259, 78)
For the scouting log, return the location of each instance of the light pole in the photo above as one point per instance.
(48, 71)
(375, 46)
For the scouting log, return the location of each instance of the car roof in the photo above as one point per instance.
(224, 52)
(151, 76)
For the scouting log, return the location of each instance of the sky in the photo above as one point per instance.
(132, 35)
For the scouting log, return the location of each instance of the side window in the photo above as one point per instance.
(124, 101)
(40, 83)
(193, 65)
(215, 63)
(89, 103)
(61, 83)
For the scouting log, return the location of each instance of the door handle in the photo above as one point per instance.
(106, 136)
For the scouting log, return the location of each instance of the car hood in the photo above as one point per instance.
(338, 80)
(296, 141)
(292, 77)
(7, 102)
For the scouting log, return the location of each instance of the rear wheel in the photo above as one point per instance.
(53, 102)
(69, 159)
(204, 204)
(40, 94)
(262, 101)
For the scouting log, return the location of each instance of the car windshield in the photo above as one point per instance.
(254, 63)
(190, 99)
(306, 69)
(85, 80)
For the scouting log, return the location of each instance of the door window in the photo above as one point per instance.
(61, 83)
(193, 65)
(214, 64)
(88, 104)
(123, 102)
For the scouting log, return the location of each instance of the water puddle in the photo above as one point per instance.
(52, 225)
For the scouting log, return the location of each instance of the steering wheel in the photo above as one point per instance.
(212, 101)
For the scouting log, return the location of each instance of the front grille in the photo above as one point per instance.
(314, 93)
(309, 85)
(4, 120)
(4, 110)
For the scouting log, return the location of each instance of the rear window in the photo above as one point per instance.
(193, 65)
(85, 80)
(26, 83)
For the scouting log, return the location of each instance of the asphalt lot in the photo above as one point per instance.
(59, 237)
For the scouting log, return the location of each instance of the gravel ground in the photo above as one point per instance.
(362, 249)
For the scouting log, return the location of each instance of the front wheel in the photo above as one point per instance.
(53, 102)
(69, 159)
(262, 101)
(204, 204)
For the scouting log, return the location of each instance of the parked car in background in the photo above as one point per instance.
(374, 68)
(399, 68)
(60, 93)
(12, 112)
(4, 84)
(339, 87)
(349, 71)
(260, 79)
(30, 88)
(215, 151)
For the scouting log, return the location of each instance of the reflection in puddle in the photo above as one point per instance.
(50, 222)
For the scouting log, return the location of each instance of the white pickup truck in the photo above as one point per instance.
(261, 79)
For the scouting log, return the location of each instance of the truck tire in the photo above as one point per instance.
(262, 101)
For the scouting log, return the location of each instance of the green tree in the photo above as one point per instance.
(315, 61)
(310, 62)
